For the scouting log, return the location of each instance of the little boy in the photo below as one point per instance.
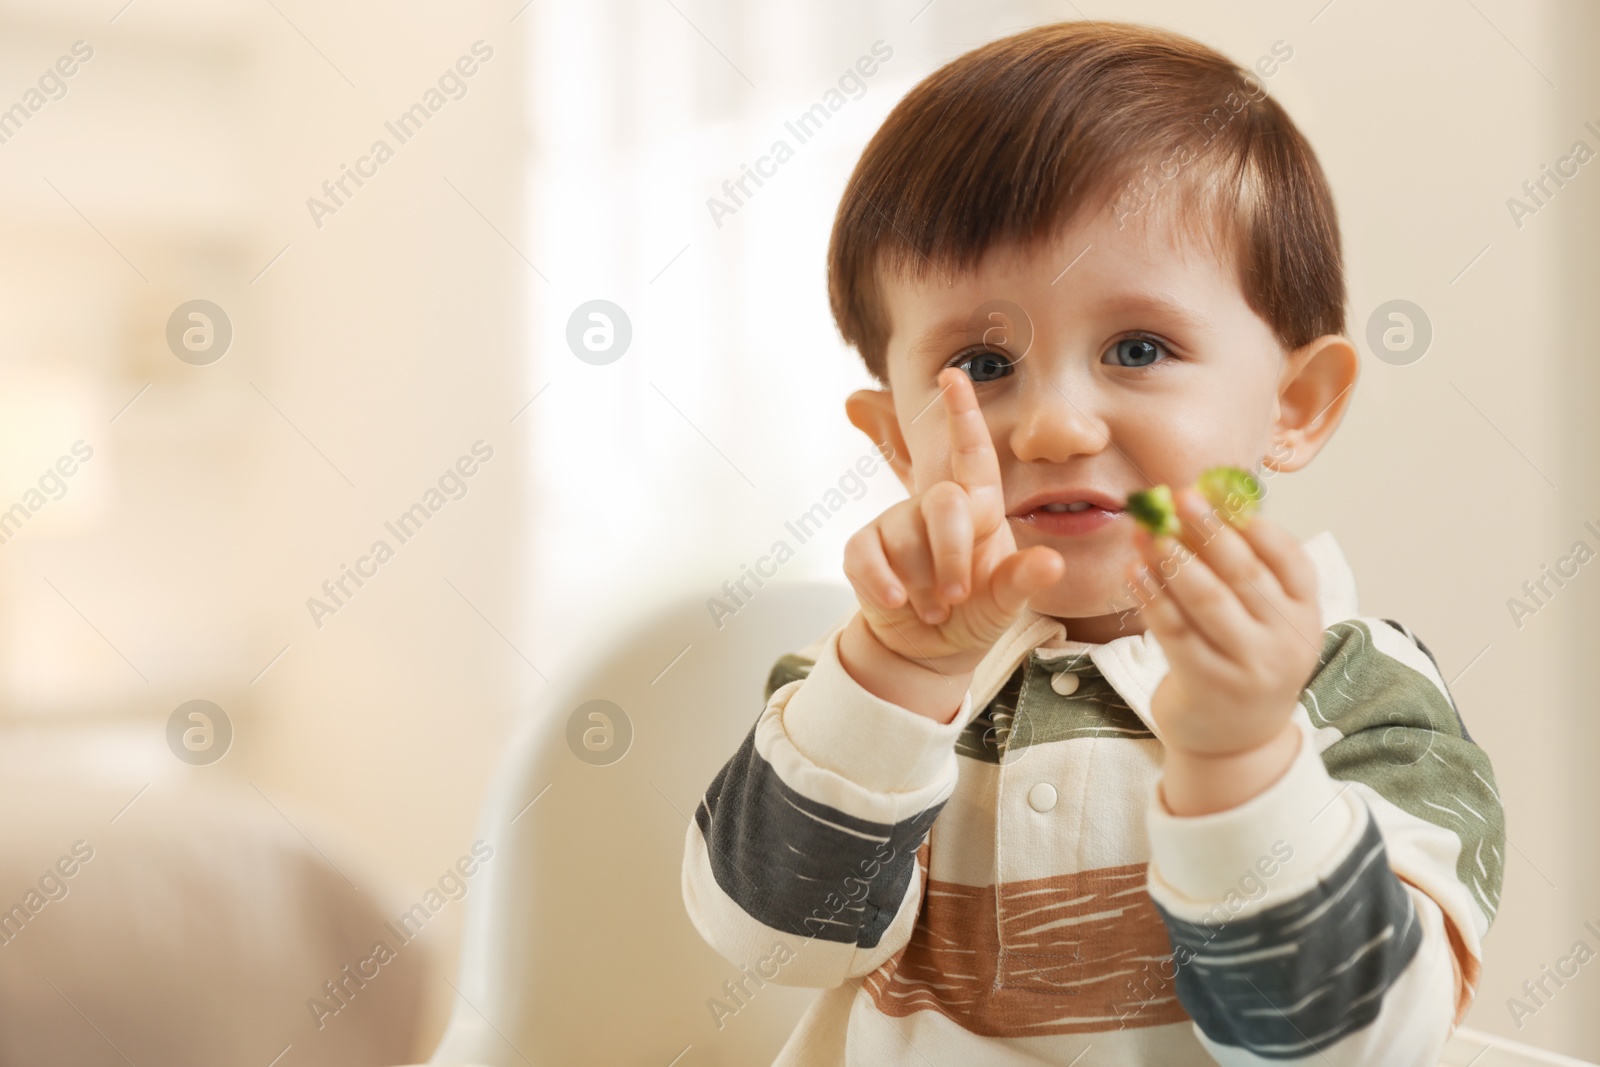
(1057, 792)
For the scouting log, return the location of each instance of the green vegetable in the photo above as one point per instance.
(1153, 509)
(1233, 492)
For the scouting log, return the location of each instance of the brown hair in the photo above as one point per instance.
(1011, 141)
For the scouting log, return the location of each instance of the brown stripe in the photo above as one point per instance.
(1108, 966)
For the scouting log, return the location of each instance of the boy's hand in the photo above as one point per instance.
(1241, 629)
(939, 576)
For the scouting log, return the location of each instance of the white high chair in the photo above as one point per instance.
(576, 946)
(1474, 1048)
(577, 949)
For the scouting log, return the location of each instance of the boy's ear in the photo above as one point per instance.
(872, 412)
(1318, 381)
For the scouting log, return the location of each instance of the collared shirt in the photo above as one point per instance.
(1010, 888)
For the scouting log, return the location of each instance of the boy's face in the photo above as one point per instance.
(1138, 364)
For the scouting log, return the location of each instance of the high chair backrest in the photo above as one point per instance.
(1477, 1048)
(577, 948)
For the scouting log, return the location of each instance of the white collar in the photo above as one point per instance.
(1134, 664)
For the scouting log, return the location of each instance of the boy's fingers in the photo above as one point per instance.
(1162, 616)
(1208, 604)
(867, 566)
(1229, 555)
(1182, 642)
(973, 463)
(905, 541)
(1022, 574)
(950, 536)
(1284, 555)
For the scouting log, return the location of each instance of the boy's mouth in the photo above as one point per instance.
(1068, 511)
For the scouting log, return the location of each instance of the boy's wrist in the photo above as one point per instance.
(1198, 784)
(934, 689)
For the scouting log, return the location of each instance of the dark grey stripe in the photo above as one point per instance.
(802, 866)
(1297, 977)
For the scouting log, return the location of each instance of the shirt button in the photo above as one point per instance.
(1065, 683)
(1042, 797)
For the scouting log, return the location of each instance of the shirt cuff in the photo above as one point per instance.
(1284, 838)
(837, 724)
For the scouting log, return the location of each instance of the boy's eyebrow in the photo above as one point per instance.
(937, 337)
(1164, 303)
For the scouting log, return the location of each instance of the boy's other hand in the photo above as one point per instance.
(938, 576)
(1241, 629)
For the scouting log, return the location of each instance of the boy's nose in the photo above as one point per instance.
(1051, 425)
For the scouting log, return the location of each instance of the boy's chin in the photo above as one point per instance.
(1071, 600)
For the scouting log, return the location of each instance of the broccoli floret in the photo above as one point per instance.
(1233, 492)
(1153, 509)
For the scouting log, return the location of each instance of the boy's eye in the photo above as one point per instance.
(987, 364)
(1136, 351)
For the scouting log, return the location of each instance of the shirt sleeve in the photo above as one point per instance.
(805, 847)
(1338, 916)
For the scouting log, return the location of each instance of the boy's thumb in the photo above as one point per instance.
(1023, 574)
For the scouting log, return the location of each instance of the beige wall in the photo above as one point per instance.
(379, 347)
(389, 338)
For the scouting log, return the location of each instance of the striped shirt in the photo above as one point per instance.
(1009, 888)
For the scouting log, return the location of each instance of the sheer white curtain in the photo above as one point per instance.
(678, 464)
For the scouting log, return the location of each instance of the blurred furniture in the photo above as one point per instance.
(193, 929)
(1473, 1048)
(577, 949)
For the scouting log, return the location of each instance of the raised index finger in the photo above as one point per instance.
(973, 464)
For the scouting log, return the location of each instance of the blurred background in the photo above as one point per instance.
(189, 483)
